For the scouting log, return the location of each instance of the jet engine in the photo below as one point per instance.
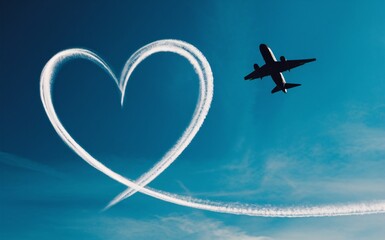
(283, 59)
(256, 67)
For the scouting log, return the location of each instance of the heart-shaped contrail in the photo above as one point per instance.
(203, 70)
(206, 85)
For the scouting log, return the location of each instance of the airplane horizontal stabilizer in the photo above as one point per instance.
(276, 89)
(291, 85)
(287, 86)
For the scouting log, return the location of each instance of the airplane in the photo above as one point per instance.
(275, 68)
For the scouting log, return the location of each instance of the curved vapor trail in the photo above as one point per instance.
(46, 81)
(203, 70)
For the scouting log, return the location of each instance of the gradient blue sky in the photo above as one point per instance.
(323, 142)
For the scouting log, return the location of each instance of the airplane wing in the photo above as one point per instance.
(285, 65)
(258, 73)
(251, 76)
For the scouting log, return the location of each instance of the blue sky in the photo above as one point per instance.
(323, 142)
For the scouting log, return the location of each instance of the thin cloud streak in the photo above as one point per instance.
(171, 227)
(20, 162)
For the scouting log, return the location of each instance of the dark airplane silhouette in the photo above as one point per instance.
(275, 68)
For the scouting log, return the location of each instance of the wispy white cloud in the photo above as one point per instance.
(20, 162)
(243, 171)
(347, 164)
(237, 172)
(185, 189)
(222, 193)
(340, 228)
(359, 138)
(297, 178)
(359, 131)
(172, 227)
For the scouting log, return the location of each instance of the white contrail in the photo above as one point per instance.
(203, 70)
(47, 79)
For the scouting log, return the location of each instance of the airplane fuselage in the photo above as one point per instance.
(272, 66)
